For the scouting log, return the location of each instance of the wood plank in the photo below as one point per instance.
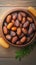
(17, 3)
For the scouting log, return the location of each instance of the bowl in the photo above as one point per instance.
(2, 21)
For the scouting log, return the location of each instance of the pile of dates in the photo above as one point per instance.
(18, 28)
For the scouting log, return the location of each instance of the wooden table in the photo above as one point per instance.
(7, 56)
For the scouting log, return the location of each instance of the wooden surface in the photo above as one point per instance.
(7, 56)
(18, 3)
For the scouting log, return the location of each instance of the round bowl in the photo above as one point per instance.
(2, 20)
